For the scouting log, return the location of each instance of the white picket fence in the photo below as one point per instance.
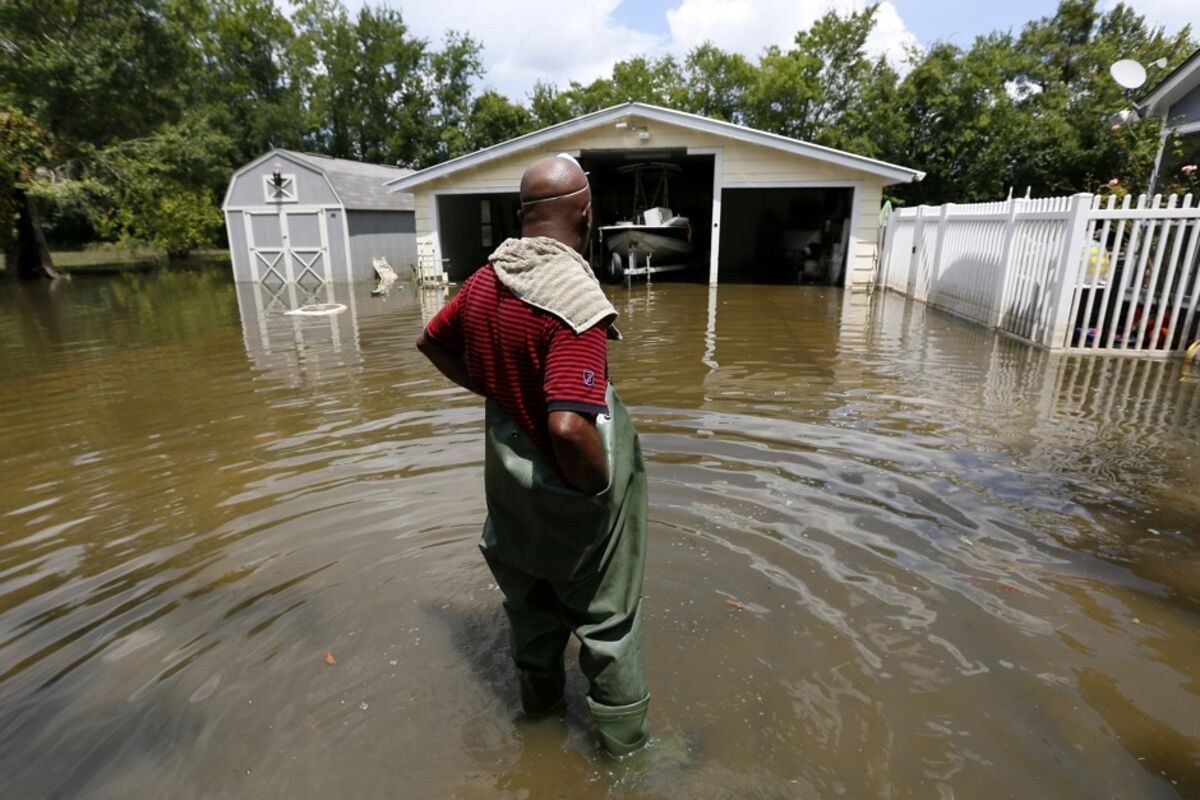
(1066, 273)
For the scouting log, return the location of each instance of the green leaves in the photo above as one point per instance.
(140, 109)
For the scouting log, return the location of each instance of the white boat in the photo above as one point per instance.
(656, 239)
(661, 236)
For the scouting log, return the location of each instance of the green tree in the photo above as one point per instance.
(495, 119)
(164, 185)
(807, 92)
(548, 105)
(242, 72)
(453, 70)
(715, 83)
(23, 149)
(641, 79)
(86, 74)
(1031, 111)
(91, 72)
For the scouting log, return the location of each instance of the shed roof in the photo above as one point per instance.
(893, 172)
(1175, 85)
(358, 185)
(361, 186)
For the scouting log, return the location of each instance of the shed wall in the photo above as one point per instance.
(741, 164)
(337, 245)
(235, 225)
(386, 234)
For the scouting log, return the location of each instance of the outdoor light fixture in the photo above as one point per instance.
(642, 131)
(277, 175)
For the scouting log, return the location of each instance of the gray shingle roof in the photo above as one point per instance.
(361, 186)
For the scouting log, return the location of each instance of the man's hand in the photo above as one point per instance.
(577, 447)
(451, 364)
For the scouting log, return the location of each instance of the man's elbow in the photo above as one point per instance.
(570, 429)
(425, 345)
(577, 445)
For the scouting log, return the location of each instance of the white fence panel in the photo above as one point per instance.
(898, 248)
(969, 269)
(1079, 272)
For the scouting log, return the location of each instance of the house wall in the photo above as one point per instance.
(386, 234)
(312, 189)
(742, 165)
(1186, 110)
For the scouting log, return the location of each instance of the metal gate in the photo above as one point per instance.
(288, 246)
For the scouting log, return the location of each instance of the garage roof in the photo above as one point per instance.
(359, 186)
(893, 172)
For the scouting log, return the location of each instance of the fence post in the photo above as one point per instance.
(885, 254)
(1006, 259)
(1055, 333)
(914, 253)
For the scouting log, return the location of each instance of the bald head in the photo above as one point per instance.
(556, 201)
(551, 177)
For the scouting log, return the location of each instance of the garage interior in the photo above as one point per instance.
(786, 235)
(768, 235)
(471, 226)
(689, 194)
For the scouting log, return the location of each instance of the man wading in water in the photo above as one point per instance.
(565, 534)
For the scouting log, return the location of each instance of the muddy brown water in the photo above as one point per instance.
(891, 555)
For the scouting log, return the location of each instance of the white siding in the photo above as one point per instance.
(741, 163)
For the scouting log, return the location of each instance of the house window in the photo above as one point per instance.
(285, 192)
(485, 217)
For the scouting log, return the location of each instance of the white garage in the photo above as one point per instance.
(759, 207)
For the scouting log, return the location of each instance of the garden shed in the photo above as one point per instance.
(759, 207)
(310, 219)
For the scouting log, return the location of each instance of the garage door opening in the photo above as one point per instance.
(669, 178)
(471, 226)
(785, 235)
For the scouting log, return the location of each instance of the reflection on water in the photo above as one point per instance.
(962, 568)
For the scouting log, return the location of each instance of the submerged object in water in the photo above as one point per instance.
(317, 310)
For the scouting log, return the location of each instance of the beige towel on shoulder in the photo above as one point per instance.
(548, 275)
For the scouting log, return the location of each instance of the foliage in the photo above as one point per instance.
(243, 58)
(495, 119)
(23, 147)
(806, 92)
(453, 71)
(70, 209)
(715, 83)
(163, 186)
(1180, 168)
(124, 118)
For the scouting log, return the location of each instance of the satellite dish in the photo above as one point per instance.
(1129, 73)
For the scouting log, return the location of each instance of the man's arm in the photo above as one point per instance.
(577, 447)
(451, 364)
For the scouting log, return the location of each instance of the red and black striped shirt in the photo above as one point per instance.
(526, 360)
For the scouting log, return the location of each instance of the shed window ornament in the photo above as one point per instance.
(278, 187)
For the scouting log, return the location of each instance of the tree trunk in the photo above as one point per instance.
(10, 260)
(33, 260)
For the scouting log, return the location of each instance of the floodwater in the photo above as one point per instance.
(891, 555)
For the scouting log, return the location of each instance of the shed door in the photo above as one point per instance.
(288, 246)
